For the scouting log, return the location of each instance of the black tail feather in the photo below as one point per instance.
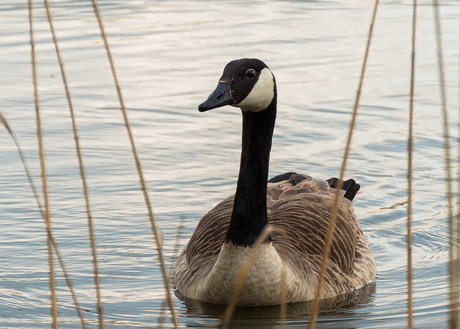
(350, 187)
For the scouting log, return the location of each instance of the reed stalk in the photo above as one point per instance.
(172, 262)
(41, 152)
(48, 232)
(456, 225)
(452, 226)
(137, 161)
(243, 272)
(284, 288)
(410, 148)
(457, 216)
(179, 233)
(458, 147)
(331, 226)
(100, 309)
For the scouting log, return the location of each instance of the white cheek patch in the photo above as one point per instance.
(261, 94)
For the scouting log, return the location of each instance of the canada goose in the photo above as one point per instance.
(208, 266)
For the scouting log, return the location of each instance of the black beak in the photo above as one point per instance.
(219, 97)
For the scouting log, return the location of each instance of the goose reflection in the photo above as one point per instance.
(342, 308)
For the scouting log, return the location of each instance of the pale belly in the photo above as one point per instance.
(265, 282)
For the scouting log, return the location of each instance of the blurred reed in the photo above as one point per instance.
(453, 227)
(410, 318)
(452, 220)
(41, 152)
(48, 231)
(243, 272)
(92, 238)
(46, 213)
(454, 269)
(331, 226)
(283, 308)
(458, 149)
(179, 233)
(137, 161)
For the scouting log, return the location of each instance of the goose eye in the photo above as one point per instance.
(251, 73)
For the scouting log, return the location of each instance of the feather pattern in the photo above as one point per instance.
(302, 210)
(296, 206)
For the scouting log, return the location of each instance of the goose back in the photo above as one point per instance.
(301, 207)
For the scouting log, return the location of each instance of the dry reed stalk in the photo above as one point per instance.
(326, 251)
(283, 306)
(100, 309)
(41, 152)
(330, 230)
(48, 232)
(179, 233)
(242, 275)
(452, 227)
(458, 147)
(410, 148)
(172, 261)
(137, 161)
(456, 223)
(23, 161)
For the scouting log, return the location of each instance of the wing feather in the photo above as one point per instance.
(301, 207)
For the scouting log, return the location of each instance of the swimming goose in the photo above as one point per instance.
(299, 205)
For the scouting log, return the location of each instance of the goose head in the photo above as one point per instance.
(246, 83)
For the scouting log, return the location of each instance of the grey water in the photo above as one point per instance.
(169, 56)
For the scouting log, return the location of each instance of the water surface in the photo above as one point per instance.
(169, 56)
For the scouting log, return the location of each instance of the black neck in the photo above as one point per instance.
(249, 215)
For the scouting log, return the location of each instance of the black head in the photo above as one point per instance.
(246, 83)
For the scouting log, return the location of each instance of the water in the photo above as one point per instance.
(169, 56)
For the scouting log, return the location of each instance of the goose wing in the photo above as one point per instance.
(300, 206)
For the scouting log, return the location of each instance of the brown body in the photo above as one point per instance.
(298, 209)
(207, 268)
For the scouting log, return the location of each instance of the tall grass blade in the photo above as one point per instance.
(100, 310)
(458, 146)
(242, 275)
(456, 225)
(179, 232)
(410, 143)
(452, 227)
(23, 161)
(137, 161)
(41, 151)
(284, 288)
(172, 261)
(330, 230)
(48, 232)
